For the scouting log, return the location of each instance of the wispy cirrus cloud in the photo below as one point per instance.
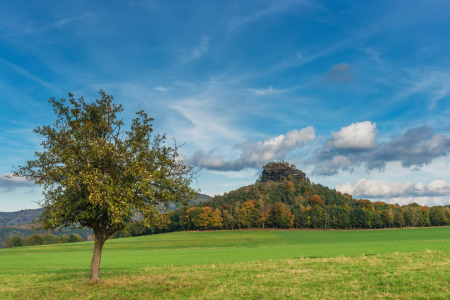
(202, 121)
(273, 8)
(27, 74)
(161, 89)
(264, 92)
(435, 84)
(19, 25)
(62, 22)
(197, 52)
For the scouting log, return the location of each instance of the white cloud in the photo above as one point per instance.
(380, 188)
(340, 160)
(438, 187)
(424, 201)
(256, 155)
(356, 136)
(416, 148)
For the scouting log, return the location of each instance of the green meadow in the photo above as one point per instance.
(388, 263)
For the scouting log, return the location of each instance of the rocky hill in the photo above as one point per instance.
(277, 171)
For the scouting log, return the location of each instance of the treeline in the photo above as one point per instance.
(23, 232)
(289, 204)
(41, 239)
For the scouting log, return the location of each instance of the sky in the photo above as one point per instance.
(354, 93)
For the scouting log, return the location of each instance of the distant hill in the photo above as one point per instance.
(15, 223)
(23, 217)
(201, 198)
(19, 218)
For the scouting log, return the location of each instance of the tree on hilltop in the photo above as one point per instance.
(97, 175)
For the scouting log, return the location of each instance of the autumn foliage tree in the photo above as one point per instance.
(249, 213)
(97, 175)
(290, 187)
(206, 218)
(315, 200)
(217, 220)
(264, 212)
(193, 217)
(281, 215)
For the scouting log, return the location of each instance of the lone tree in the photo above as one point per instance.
(97, 175)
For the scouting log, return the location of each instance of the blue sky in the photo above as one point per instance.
(354, 93)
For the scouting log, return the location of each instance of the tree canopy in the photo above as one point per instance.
(96, 174)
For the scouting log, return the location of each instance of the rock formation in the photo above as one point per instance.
(277, 171)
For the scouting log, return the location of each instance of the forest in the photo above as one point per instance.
(42, 239)
(292, 204)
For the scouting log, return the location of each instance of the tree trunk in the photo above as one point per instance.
(96, 258)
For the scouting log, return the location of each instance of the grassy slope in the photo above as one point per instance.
(30, 268)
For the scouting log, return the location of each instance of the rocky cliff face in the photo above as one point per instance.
(278, 171)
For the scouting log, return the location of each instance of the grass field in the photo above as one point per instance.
(393, 263)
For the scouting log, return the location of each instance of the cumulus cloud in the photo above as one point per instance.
(355, 136)
(356, 143)
(380, 188)
(10, 184)
(339, 73)
(338, 161)
(417, 147)
(255, 155)
(421, 200)
(194, 160)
